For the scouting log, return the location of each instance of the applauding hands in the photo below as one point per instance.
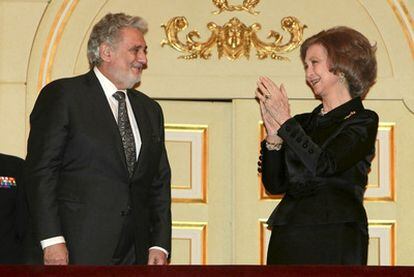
(274, 107)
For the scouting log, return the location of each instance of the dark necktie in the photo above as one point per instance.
(125, 130)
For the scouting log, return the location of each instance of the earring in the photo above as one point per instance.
(342, 78)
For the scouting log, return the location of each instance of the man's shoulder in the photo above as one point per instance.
(10, 164)
(70, 82)
(10, 159)
(143, 98)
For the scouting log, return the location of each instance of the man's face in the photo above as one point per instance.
(128, 58)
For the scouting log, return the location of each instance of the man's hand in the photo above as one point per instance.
(56, 255)
(157, 257)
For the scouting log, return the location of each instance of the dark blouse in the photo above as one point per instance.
(323, 165)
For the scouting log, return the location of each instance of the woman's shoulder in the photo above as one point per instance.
(365, 114)
(370, 113)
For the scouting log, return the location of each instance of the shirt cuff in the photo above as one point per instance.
(160, 248)
(52, 241)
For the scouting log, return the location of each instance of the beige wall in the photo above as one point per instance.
(18, 24)
(44, 40)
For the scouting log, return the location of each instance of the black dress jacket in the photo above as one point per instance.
(13, 213)
(323, 165)
(78, 184)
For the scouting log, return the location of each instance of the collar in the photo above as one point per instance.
(108, 87)
(339, 114)
(343, 111)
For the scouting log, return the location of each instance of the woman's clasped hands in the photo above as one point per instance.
(274, 105)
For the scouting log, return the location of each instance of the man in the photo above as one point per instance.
(12, 209)
(97, 170)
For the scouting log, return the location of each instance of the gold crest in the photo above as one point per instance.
(248, 6)
(233, 40)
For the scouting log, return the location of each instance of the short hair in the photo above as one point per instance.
(350, 53)
(108, 30)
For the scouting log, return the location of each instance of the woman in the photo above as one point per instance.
(320, 160)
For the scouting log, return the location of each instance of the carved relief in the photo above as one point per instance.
(248, 6)
(233, 40)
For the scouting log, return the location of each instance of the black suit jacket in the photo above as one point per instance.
(13, 213)
(78, 184)
(323, 166)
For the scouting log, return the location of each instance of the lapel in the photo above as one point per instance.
(143, 121)
(100, 104)
(144, 126)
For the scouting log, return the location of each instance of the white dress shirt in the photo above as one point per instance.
(109, 89)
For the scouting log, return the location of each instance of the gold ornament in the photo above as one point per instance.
(234, 39)
(248, 6)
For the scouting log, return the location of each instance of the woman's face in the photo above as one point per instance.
(317, 73)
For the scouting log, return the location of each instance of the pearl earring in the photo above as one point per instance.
(342, 78)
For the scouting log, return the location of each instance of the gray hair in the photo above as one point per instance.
(108, 29)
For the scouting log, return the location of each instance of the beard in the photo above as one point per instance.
(129, 80)
(133, 82)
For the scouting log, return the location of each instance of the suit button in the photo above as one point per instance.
(126, 212)
(310, 151)
(305, 144)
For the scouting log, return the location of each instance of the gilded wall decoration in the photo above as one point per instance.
(248, 6)
(233, 40)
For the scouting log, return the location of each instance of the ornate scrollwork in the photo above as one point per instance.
(248, 6)
(233, 40)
